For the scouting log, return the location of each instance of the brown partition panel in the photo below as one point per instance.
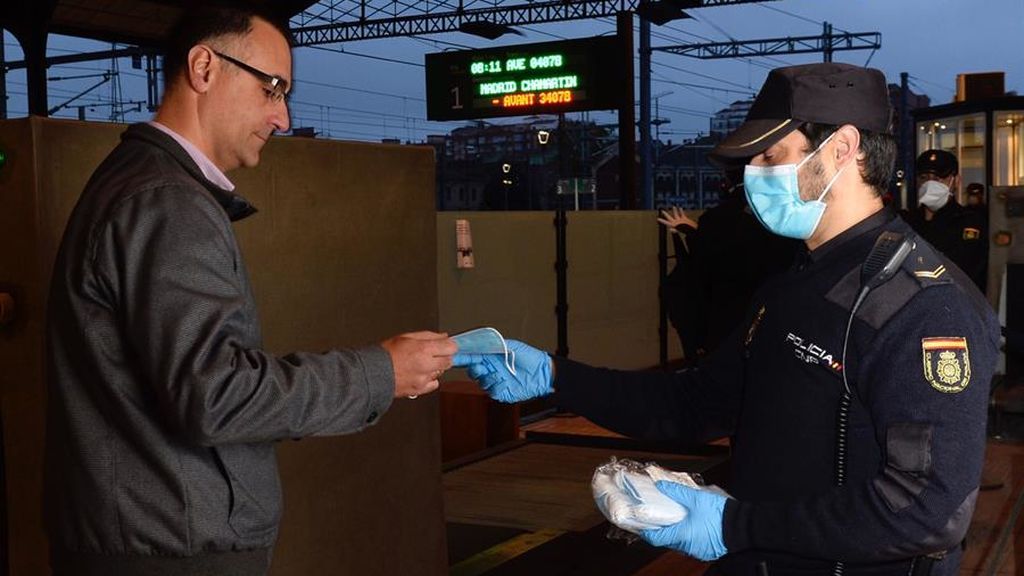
(48, 165)
(342, 253)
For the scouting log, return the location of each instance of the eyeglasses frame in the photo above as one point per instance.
(278, 86)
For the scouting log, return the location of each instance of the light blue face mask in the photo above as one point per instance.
(774, 196)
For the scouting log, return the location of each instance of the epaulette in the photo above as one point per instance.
(928, 267)
(922, 268)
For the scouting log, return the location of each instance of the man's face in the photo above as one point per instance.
(792, 150)
(243, 108)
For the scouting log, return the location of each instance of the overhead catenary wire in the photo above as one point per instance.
(331, 11)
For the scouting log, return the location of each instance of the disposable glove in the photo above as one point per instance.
(699, 534)
(531, 380)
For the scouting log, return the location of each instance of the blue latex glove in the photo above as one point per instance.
(532, 378)
(700, 533)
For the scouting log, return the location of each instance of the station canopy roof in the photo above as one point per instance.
(141, 22)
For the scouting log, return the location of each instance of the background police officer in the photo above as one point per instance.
(917, 359)
(956, 231)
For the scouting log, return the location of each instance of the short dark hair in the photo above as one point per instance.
(879, 149)
(199, 23)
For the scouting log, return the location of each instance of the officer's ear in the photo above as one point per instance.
(847, 145)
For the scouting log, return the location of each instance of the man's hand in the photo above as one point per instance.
(675, 216)
(533, 376)
(419, 359)
(700, 533)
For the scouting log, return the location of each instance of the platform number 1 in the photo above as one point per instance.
(456, 103)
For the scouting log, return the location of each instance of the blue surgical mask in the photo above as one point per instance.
(774, 196)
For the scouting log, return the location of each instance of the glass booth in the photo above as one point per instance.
(985, 135)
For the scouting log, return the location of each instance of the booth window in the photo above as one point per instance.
(1008, 155)
(964, 136)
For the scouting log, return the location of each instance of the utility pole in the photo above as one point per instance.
(3, 78)
(152, 88)
(904, 141)
(647, 181)
(627, 122)
(827, 35)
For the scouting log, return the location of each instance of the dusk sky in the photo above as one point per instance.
(374, 89)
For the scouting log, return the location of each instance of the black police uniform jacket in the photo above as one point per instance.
(922, 350)
(163, 407)
(960, 234)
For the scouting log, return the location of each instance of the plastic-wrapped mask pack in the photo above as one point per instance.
(625, 492)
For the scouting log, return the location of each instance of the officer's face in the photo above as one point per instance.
(790, 150)
(793, 149)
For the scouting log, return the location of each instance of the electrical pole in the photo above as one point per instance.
(627, 118)
(904, 142)
(828, 42)
(646, 181)
(3, 78)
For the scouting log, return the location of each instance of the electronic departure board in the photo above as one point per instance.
(545, 78)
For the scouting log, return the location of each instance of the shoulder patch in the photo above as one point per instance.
(947, 365)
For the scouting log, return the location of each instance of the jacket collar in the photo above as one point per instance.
(234, 205)
(846, 238)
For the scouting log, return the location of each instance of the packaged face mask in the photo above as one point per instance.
(625, 491)
(486, 340)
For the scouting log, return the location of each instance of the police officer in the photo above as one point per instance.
(956, 231)
(916, 356)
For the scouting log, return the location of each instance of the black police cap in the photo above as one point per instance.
(825, 93)
(939, 162)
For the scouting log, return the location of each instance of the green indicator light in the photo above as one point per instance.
(3, 158)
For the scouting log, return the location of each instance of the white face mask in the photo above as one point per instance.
(933, 195)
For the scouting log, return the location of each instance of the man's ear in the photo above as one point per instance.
(200, 70)
(847, 145)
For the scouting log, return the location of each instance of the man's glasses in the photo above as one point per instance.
(275, 86)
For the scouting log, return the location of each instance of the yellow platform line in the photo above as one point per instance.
(497, 555)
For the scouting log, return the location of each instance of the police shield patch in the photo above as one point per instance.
(947, 367)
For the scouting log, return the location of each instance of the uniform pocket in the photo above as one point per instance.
(908, 462)
(255, 507)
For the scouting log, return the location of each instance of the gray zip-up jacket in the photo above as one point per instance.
(163, 408)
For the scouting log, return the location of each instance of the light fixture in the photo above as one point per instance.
(487, 29)
(543, 136)
(506, 168)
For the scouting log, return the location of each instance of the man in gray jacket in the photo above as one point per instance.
(163, 405)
